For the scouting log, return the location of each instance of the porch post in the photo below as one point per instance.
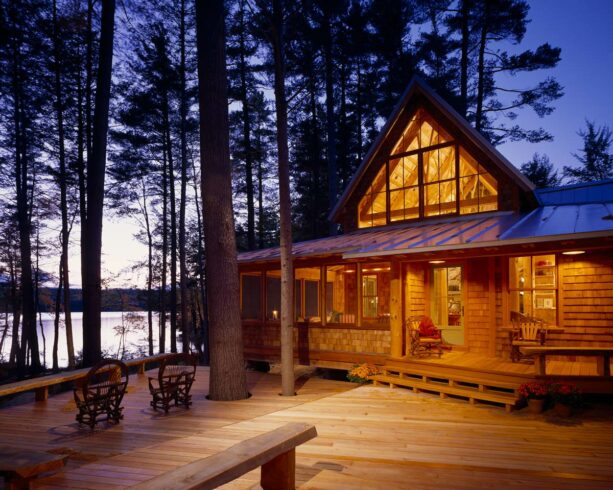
(396, 308)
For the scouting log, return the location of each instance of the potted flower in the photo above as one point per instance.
(534, 394)
(361, 372)
(565, 396)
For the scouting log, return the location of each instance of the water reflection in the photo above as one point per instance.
(122, 333)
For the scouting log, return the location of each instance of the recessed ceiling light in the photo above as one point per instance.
(574, 252)
(437, 262)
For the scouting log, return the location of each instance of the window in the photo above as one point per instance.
(273, 295)
(341, 293)
(373, 206)
(478, 189)
(376, 292)
(446, 305)
(533, 287)
(427, 174)
(251, 291)
(307, 293)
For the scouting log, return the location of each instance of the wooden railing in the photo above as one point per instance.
(41, 384)
(274, 451)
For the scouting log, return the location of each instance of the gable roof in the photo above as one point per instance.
(415, 87)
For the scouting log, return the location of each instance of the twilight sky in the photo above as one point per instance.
(583, 31)
(581, 28)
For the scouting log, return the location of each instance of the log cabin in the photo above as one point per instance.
(437, 222)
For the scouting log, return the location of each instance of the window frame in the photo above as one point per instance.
(533, 290)
(421, 185)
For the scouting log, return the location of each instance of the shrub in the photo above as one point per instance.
(566, 394)
(361, 372)
(534, 390)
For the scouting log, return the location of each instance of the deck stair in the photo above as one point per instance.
(452, 380)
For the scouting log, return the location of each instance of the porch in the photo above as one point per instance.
(369, 438)
(479, 378)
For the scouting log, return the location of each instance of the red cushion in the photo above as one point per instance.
(428, 329)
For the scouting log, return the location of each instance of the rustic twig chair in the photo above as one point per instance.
(525, 333)
(422, 336)
(101, 392)
(174, 381)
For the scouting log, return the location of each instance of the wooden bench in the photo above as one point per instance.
(19, 467)
(274, 451)
(41, 384)
(540, 354)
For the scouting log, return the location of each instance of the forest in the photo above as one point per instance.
(100, 106)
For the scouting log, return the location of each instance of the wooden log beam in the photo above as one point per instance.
(396, 309)
(274, 451)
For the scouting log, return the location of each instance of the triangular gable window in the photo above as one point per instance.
(427, 174)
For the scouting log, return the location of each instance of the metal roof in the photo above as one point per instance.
(590, 192)
(547, 223)
(571, 219)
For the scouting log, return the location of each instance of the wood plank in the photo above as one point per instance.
(227, 465)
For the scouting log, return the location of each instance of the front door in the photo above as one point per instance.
(447, 303)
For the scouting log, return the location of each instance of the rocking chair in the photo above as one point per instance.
(101, 392)
(423, 337)
(174, 381)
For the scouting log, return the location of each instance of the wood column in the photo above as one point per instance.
(396, 308)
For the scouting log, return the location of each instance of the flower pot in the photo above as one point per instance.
(562, 410)
(536, 405)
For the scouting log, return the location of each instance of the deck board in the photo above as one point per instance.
(369, 437)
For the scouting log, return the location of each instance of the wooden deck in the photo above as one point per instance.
(484, 364)
(369, 438)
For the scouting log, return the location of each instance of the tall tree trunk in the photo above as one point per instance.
(173, 203)
(246, 117)
(464, 45)
(481, 67)
(330, 117)
(204, 324)
(15, 354)
(184, 325)
(162, 319)
(56, 320)
(287, 273)
(62, 179)
(358, 101)
(149, 268)
(173, 245)
(95, 191)
(260, 177)
(227, 375)
(29, 337)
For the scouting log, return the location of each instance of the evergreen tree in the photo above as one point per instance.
(595, 157)
(540, 171)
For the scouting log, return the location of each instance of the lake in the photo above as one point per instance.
(132, 324)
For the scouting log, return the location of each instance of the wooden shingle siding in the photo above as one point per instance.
(477, 308)
(586, 294)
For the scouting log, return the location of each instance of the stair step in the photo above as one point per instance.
(488, 383)
(507, 399)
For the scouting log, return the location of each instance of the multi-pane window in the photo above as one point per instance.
(478, 189)
(251, 286)
(376, 292)
(307, 293)
(427, 174)
(341, 293)
(533, 287)
(373, 206)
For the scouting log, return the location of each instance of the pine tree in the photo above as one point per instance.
(595, 157)
(540, 171)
